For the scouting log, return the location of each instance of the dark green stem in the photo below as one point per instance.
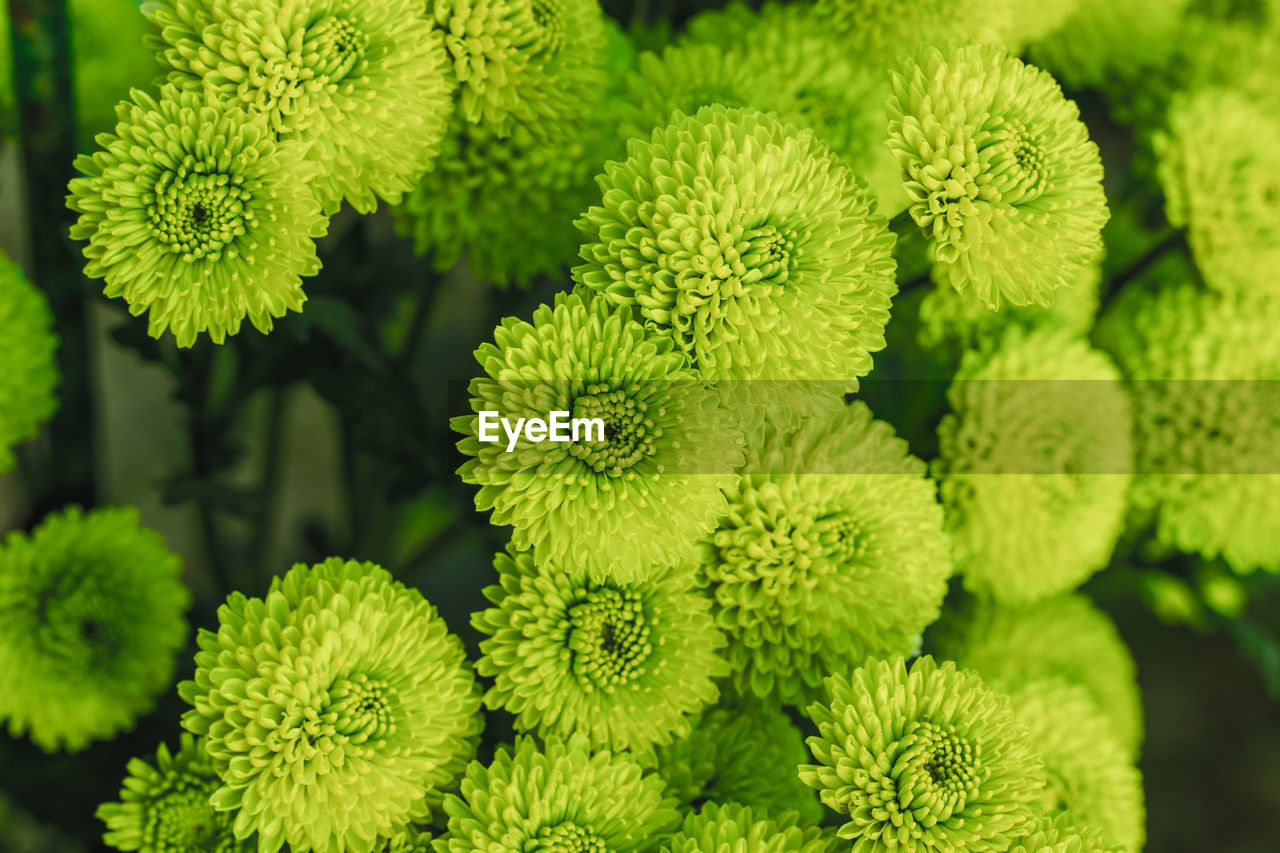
(1174, 239)
(270, 484)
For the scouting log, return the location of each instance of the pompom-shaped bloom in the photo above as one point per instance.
(363, 84)
(1203, 368)
(536, 62)
(91, 623)
(1111, 43)
(1089, 773)
(807, 77)
(623, 665)
(28, 364)
(744, 753)
(641, 496)
(563, 799)
(884, 30)
(748, 244)
(1001, 173)
(164, 807)
(833, 549)
(331, 708)
(735, 828)
(1065, 637)
(1063, 834)
(195, 214)
(1219, 166)
(926, 759)
(1035, 461)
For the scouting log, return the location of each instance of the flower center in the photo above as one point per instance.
(608, 638)
(548, 17)
(197, 211)
(332, 47)
(629, 431)
(183, 820)
(362, 707)
(1015, 164)
(566, 837)
(937, 771)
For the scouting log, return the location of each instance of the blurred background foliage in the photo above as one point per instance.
(334, 439)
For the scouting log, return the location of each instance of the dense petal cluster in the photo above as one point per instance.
(622, 665)
(335, 709)
(748, 244)
(810, 80)
(365, 85)
(1063, 834)
(924, 759)
(1202, 367)
(195, 214)
(745, 752)
(833, 549)
(91, 623)
(641, 496)
(1219, 166)
(1001, 173)
(884, 30)
(1062, 637)
(561, 799)
(535, 62)
(1035, 461)
(28, 364)
(735, 828)
(1089, 773)
(164, 806)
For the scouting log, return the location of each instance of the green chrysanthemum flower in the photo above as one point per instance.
(734, 828)
(833, 549)
(1035, 461)
(1066, 637)
(1001, 173)
(195, 214)
(954, 321)
(363, 84)
(644, 494)
(563, 799)
(881, 31)
(109, 59)
(929, 759)
(536, 62)
(745, 753)
(1203, 368)
(749, 245)
(1090, 774)
(624, 666)
(1032, 20)
(407, 840)
(28, 366)
(335, 709)
(1219, 166)
(810, 81)
(91, 623)
(164, 807)
(1063, 834)
(1110, 43)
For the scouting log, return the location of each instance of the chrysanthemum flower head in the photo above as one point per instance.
(1219, 166)
(539, 63)
(735, 828)
(28, 363)
(623, 665)
(1064, 637)
(744, 752)
(748, 244)
(1109, 43)
(644, 494)
(335, 709)
(926, 758)
(1089, 773)
(195, 214)
(91, 623)
(1001, 173)
(1062, 833)
(809, 80)
(365, 85)
(1035, 461)
(884, 30)
(833, 548)
(560, 799)
(164, 806)
(1032, 20)
(1203, 368)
